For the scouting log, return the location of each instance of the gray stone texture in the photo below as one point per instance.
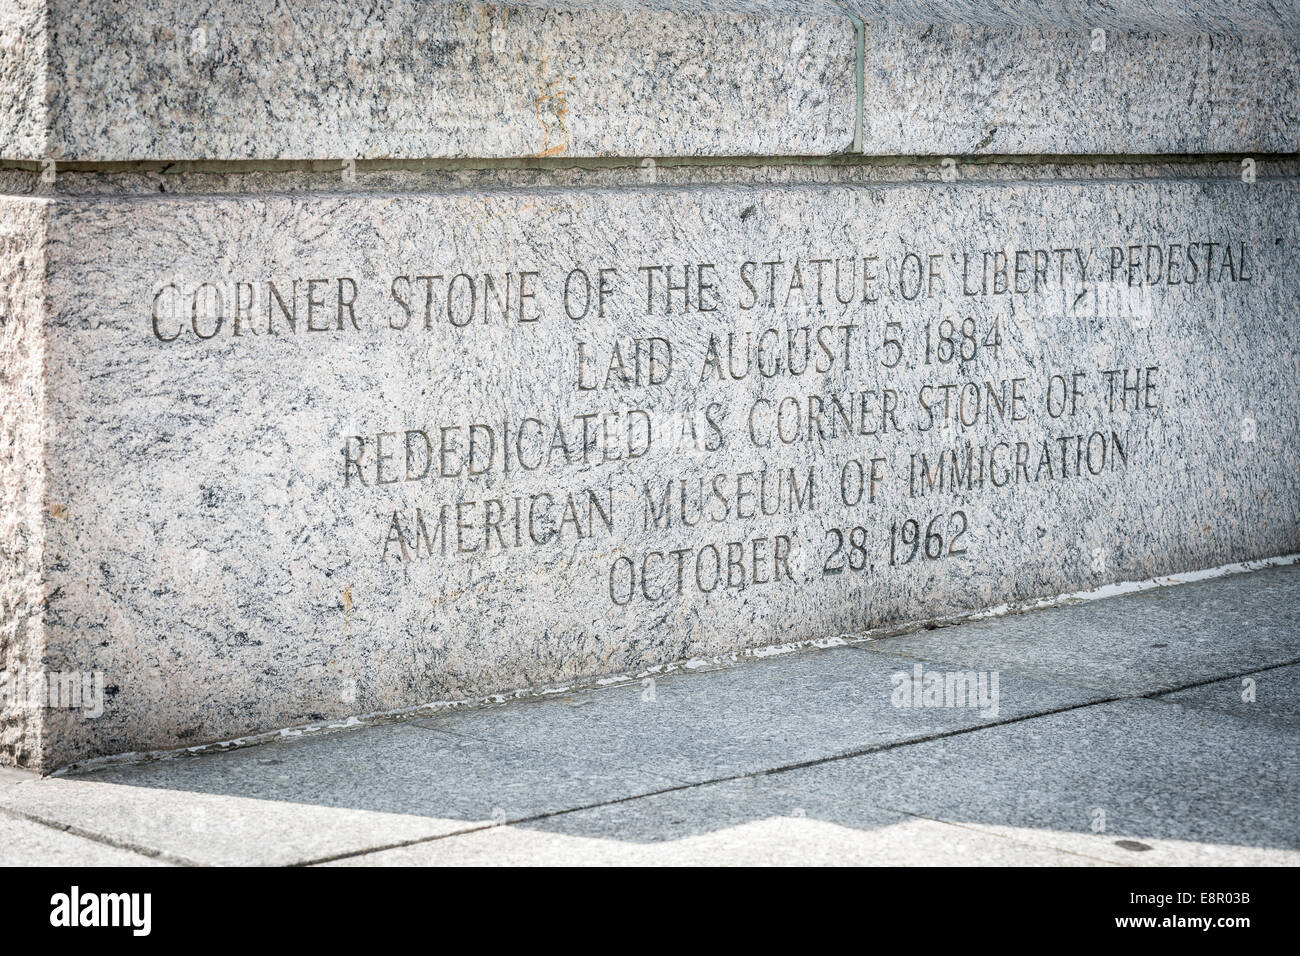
(1196, 788)
(1141, 643)
(1272, 696)
(230, 524)
(957, 77)
(24, 67)
(105, 81)
(24, 424)
(102, 81)
(1177, 783)
(769, 713)
(316, 798)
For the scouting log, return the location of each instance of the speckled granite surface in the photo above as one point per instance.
(958, 77)
(100, 81)
(426, 487)
(24, 68)
(328, 79)
(1039, 91)
(24, 424)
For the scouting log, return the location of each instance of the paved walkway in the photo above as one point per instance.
(1120, 735)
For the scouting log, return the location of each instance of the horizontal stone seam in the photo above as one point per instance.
(108, 168)
(440, 189)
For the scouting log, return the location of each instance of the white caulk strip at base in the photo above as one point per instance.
(1132, 587)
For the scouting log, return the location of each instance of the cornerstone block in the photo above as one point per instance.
(304, 457)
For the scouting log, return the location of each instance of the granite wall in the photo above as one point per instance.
(356, 361)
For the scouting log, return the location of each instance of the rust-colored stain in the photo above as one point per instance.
(57, 510)
(347, 601)
(559, 107)
(451, 595)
